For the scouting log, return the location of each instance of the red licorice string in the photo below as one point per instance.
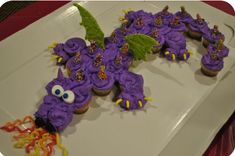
(35, 141)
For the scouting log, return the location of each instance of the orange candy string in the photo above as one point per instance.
(36, 141)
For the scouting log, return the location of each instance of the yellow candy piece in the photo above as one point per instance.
(54, 57)
(127, 104)
(190, 52)
(185, 57)
(148, 99)
(118, 101)
(121, 18)
(53, 45)
(59, 60)
(173, 56)
(124, 21)
(167, 53)
(140, 103)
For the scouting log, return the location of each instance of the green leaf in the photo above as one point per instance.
(140, 45)
(93, 31)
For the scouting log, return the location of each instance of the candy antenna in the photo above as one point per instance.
(182, 9)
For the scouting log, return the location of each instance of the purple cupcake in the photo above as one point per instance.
(60, 54)
(117, 37)
(110, 52)
(82, 80)
(94, 65)
(141, 24)
(211, 64)
(131, 96)
(126, 54)
(178, 26)
(92, 50)
(161, 27)
(212, 36)
(103, 81)
(197, 27)
(159, 38)
(165, 15)
(76, 62)
(74, 45)
(184, 16)
(132, 16)
(131, 82)
(219, 48)
(117, 66)
(175, 40)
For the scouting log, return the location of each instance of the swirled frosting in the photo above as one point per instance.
(102, 84)
(198, 26)
(131, 82)
(175, 40)
(212, 64)
(220, 52)
(74, 45)
(74, 65)
(61, 52)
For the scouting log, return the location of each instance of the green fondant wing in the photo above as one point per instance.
(93, 31)
(140, 45)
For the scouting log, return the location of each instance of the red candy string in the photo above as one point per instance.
(35, 141)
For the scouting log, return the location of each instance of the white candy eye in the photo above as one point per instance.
(68, 96)
(57, 90)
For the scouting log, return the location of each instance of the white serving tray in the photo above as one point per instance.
(187, 111)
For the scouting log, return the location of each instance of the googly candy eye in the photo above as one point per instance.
(68, 96)
(57, 90)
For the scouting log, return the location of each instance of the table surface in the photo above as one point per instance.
(182, 95)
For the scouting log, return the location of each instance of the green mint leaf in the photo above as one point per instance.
(140, 45)
(93, 31)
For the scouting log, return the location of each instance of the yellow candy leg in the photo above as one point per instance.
(127, 104)
(118, 101)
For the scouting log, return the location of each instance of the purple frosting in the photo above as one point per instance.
(171, 52)
(175, 40)
(212, 36)
(184, 16)
(131, 90)
(82, 80)
(55, 110)
(182, 53)
(75, 63)
(211, 63)
(131, 82)
(74, 45)
(92, 50)
(61, 52)
(223, 52)
(158, 37)
(117, 66)
(198, 25)
(165, 15)
(133, 99)
(161, 27)
(177, 26)
(110, 52)
(102, 84)
(131, 16)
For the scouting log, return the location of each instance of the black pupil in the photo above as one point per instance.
(57, 91)
(65, 95)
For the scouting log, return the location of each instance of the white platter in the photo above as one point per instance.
(187, 111)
